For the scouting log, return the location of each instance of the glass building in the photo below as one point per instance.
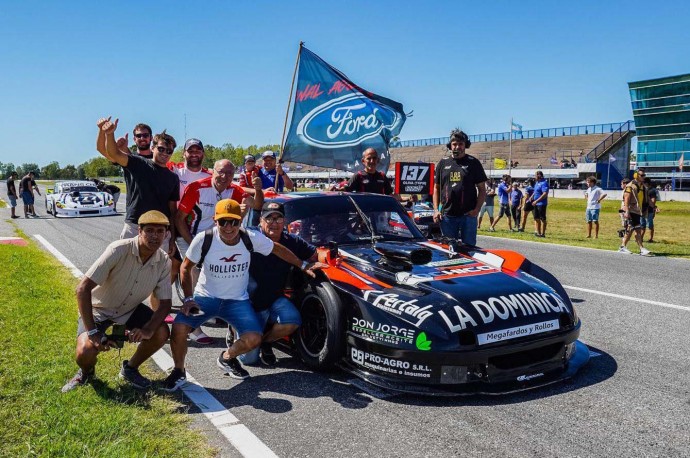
(661, 108)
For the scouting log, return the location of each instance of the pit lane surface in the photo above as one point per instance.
(632, 399)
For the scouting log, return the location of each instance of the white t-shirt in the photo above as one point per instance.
(225, 273)
(593, 195)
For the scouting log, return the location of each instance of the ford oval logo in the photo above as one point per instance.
(346, 121)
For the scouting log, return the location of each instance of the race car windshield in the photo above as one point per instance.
(80, 189)
(335, 218)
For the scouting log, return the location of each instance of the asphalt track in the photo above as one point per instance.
(633, 399)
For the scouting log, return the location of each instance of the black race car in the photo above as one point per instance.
(425, 316)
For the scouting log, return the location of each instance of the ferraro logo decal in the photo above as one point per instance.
(345, 121)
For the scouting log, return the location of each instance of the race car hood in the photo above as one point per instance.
(473, 295)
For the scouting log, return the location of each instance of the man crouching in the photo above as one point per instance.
(111, 292)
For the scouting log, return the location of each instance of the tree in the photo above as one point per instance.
(69, 173)
(100, 167)
(51, 171)
(6, 169)
(30, 167)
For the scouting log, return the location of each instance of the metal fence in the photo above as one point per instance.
(588, 129)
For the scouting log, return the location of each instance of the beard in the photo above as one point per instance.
(194, 162)
(144, 146)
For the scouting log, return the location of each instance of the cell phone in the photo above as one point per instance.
(196, 311)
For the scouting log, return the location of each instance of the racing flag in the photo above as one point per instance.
(500, 163)
(334, 120)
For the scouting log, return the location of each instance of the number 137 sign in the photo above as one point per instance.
(414, 178)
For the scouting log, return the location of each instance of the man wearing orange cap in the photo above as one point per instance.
(111, 292)
(221, 291)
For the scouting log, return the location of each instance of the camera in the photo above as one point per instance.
(117, 335)
(626, 228)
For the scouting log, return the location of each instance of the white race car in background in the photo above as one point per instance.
(78, 198)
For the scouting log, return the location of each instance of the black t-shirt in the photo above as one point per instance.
(151, 187)
(111, 189)
(376, 183)
(270, 271)
(457, 180)
(26, 184)
(11, 189)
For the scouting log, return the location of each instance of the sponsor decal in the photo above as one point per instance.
(520, 331)
(382, 332)
(422, 343)
(408, 278)
(524, 378)
(450, 262)
(389, 365)
(503, 308)
(408, 309)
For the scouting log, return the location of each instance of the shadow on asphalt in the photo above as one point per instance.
(294, 380)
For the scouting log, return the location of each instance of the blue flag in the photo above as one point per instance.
(334, 120)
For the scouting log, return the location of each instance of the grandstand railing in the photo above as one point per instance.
(609, 141)
(588, 129)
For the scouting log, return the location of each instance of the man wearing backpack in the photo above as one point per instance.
(224, 253)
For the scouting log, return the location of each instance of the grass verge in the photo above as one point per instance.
(567, 226)
(107, 418)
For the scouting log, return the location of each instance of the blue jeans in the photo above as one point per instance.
(240, 314)
(282, 311)
(462, 227)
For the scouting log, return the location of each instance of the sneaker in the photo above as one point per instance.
(133, 377)
(233, 367)
(200, 338)
(176, 379)
(79, 379)
(266, 354)
(624, 250)
(491, 229)
(15, 217)
(522, 229)
(645, 252)
(651, 241)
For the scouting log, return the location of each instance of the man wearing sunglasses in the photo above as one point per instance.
(221, 291)
(276, 313)
(153, 186)
(634, 200)
(272, 174)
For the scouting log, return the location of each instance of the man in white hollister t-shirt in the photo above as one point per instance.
(221, 291)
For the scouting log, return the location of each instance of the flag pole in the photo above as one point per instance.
(287, 112)
(608, 174)
(510, 143)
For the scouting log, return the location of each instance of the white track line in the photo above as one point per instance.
(225, 422)
(629, 298)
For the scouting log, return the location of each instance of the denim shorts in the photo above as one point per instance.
(648, 221)
(282, 311)
(28, 198)
(13, 201)
(240, 314)
(592, 214)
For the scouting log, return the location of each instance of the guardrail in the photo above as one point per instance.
(609, 141)
(588, 129)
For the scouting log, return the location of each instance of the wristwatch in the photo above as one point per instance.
(92, 332)
(187, 299)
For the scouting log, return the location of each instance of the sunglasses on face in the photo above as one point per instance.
(142, 135)
(274, 219)
(231, 222)
(164, 150)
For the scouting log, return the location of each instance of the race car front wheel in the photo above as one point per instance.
(320, 341)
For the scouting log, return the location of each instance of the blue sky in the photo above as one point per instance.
(228, 65)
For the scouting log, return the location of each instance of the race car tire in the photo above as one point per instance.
(47, 208)
(320, 341)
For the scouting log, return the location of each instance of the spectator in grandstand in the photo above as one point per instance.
(594, 195)
(652, 209)
(540, 201)
(221, 291)
(459, 190)
(516, 205)
(370, 179)
(527, 206)
(273, 176)
(634, 199)
(504, 201)
(488, 205)
(111, 292)
(12, 193)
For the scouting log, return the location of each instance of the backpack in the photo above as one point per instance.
(208, 238)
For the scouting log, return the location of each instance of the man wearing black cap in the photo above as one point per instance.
(112, 291)
(272, 175)
(267, 281)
